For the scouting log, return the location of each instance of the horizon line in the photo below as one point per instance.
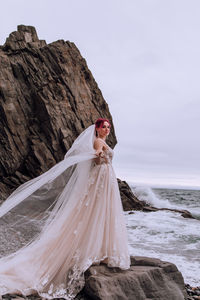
(165, 186)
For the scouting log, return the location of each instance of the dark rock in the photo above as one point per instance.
(193, 292)
(129, 201)
(47, 97)
(148, 278)
(184, 213)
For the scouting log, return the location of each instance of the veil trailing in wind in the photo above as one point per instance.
(54, 227)
(28, 211)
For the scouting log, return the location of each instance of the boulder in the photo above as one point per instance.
(147, 278)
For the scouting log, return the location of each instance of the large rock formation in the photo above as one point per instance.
(47, 97)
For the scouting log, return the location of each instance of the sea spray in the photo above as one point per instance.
(165, 234)
(146, 194)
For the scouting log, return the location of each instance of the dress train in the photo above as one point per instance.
(93, 231)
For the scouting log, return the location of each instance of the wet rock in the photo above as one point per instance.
(129, 200)
(192, 292)
(184, 213)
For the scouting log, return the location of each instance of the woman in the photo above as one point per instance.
(75, 216)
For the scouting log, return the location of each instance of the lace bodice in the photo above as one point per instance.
(107, 157)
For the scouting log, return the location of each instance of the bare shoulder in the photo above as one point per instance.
(98, 143)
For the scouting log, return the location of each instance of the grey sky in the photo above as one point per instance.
(145, 57)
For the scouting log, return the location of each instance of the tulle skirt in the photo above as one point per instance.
(53, 266)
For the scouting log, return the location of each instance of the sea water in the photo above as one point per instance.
(165, 234)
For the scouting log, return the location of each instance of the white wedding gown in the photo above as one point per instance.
(90, 232)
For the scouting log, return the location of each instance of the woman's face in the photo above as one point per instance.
(104, 130)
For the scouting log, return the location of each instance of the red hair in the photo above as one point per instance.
(99, 122)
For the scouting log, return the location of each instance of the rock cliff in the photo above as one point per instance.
(47, 97)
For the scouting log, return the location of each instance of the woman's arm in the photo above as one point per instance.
(98, 146)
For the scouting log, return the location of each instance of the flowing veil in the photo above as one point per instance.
(29, 210)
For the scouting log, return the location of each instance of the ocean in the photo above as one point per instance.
(165, 234)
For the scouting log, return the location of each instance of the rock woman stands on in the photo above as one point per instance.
(64, 221)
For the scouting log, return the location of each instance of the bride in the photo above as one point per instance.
(64, 221)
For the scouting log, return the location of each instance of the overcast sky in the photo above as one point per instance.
(145, 57)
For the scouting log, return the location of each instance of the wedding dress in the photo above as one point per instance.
(75, 216)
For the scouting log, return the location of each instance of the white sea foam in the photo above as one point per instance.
(168, 236)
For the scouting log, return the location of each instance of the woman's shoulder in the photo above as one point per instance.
(99, 142)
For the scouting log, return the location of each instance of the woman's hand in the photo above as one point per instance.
(99, 153)
(98, 146)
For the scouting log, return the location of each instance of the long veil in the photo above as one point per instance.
(29, 210)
